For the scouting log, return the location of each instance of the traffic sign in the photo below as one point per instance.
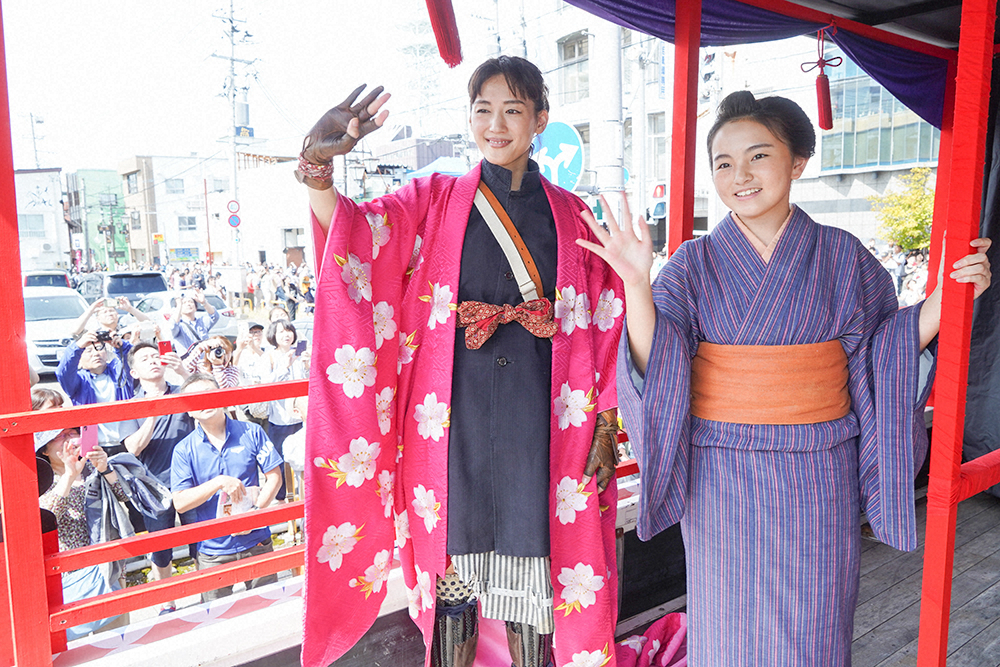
(233, 206)
(234, 220)
(559, 154)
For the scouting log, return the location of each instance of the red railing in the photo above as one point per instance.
(62, 615)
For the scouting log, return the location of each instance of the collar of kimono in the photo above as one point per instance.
(765, 251)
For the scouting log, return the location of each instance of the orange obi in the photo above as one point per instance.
(770, 384)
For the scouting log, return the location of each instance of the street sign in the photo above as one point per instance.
(559, 154)
(158, 238)
(234, 220)
(244, 132)
(233, 206)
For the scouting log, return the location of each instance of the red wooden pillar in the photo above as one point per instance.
(943, 181)
(29, 614)
(687, 40)
(964, 193)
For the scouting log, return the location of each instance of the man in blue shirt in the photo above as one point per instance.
(189, 327)
(221, 456)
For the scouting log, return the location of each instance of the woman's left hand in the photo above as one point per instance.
(974, 268)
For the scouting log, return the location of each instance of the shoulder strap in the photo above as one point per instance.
(529, 282)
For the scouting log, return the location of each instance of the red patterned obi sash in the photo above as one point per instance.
(482, 319)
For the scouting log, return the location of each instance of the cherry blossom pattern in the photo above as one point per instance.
(354, 467)
(654, 648)
(570, 499)
(385, 483)
(441, 305)
(406, 349)
(357, 275)
(375, 575)
(420, 597)
(432, 417)
(416, 259)
(590, 658)
(380, 231)
(426, 506)
(337, 541)
(385, 326)
(572, 308)
(385, 408)
(580, 588)
(608, 308)
(401, 522)
(572, 406)
(355, 370)
(635, 642)
(399, 447)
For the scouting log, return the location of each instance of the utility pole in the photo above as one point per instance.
(606, 143)
(231, 20)
(34, 141)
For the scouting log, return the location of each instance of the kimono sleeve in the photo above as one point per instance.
(657, 417)
(888, 395)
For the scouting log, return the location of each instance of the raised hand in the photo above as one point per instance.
(630, 256)
(341, 127)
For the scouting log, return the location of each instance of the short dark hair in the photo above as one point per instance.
(272, 331)
(198, 377)
(141, 345)
(782, 117)
(523, 79)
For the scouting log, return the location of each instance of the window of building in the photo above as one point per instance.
(871, 128)
(187, 223)
(220, 184)
(175, 186)
(31, 225)
(107, 200)
(132, 182)
(656, 133)
(573, 63)
(136, 220)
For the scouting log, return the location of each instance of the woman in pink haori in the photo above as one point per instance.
(464, 374)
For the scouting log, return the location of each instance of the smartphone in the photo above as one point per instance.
(110, 303)
(164, 346)
(300, 347)
(88, 440)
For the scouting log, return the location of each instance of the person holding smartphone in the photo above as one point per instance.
(287, 360)
(190, 328)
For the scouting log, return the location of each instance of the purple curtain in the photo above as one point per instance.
(915, 79)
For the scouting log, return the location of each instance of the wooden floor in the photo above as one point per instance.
(888, 615)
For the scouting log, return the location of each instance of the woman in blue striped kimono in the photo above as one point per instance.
(772, 391)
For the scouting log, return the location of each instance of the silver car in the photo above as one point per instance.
(50, 314)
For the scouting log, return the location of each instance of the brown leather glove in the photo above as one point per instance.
(603, 455)
(330, 136)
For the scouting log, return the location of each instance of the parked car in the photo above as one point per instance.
(53, 278)
(133, 285)
(49, 316)
(161, 306)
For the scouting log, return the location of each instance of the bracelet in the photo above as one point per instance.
(106, 472)
(321, 172)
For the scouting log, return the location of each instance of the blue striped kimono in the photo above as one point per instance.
(770, 513)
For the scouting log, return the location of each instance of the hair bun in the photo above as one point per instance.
(740, 103)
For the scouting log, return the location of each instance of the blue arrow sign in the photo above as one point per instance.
(559, 154)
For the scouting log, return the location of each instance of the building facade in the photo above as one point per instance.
(97, 208)
(44, 231)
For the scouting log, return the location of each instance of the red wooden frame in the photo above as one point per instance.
(957, 211)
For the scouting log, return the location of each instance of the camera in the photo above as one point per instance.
(218, 352)
(104, 336)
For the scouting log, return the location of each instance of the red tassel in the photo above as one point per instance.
(442, 16)
(823, 102)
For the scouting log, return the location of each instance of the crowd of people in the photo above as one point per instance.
(115, 479)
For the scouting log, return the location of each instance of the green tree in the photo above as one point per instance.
(905, 214)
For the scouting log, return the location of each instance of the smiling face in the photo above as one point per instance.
(504, 124)
(753, 172)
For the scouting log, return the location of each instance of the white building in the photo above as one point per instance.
(42, 225)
